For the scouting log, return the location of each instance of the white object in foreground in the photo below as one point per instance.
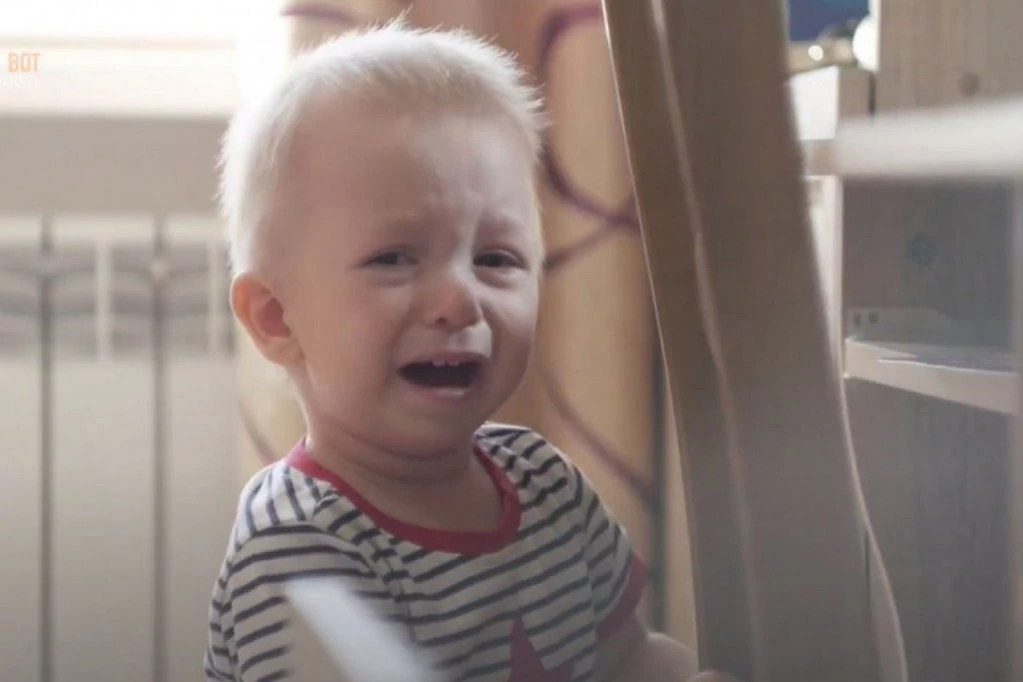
(338, 638)
(980, 142)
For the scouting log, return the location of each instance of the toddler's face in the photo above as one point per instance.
(415, 297)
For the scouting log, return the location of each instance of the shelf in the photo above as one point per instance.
(818, 157)
(977, 376)
(821, 100)
(979, 142)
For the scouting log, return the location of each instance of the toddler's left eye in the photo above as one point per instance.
(495, 259)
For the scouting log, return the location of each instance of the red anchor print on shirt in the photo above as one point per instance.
(526, 665)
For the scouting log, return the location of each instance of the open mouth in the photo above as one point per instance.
(441, 374)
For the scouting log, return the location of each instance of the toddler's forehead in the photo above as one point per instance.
(350, 160)
(362, 143)
(345, 139)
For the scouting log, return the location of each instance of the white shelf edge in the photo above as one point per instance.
(818, 157)
(822, 98)
(981, 142)
(917, 368)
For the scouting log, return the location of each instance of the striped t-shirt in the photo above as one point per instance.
(530, 600)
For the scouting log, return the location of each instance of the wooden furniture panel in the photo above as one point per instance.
(926, 297)
(734, 278)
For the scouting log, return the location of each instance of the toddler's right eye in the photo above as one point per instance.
(390, 259)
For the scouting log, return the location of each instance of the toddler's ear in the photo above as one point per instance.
(261, 313)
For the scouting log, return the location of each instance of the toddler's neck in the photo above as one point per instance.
(453, 492)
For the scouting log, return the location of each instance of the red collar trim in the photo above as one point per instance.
(458, 542)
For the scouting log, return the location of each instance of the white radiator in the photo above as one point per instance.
(117, 444)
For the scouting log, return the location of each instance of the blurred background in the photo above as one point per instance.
(130, 410)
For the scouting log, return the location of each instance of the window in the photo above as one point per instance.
(75, 20)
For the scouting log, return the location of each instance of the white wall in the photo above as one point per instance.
(103, 79)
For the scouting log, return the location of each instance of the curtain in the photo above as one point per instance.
(593, 387)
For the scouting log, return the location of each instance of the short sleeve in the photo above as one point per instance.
(249, 633)
(617, 574)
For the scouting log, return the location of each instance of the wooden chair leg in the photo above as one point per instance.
(779, 539)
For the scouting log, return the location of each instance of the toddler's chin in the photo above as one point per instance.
(428, 435)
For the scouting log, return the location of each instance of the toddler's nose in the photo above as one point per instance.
(453, 303)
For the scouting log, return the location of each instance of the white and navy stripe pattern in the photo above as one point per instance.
(556, 578)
